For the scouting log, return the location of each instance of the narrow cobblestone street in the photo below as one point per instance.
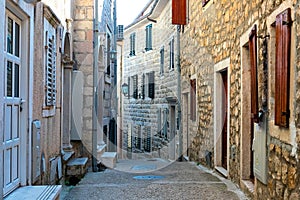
(153, 179)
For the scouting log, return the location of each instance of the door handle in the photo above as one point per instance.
(22, 101)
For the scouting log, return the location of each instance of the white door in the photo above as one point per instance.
(13, 104)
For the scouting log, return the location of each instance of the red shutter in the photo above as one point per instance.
(253, 63)
(282, 68)
(179, 12)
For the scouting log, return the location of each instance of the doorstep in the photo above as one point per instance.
(43, 192)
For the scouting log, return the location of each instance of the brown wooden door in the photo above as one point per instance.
(224, 112)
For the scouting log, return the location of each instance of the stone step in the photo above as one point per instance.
(109, 159)
(45, 192)
(77, 167)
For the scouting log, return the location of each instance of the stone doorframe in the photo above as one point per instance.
(245, 139)
(218, 120)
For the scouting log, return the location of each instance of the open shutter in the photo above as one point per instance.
(253, 63)
(282, 69)
(151, 85)
(193, 99)
(179, 12)
(50, 68)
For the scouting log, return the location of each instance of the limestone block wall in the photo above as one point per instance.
(212, 35)
(144, 112)
(83, 55)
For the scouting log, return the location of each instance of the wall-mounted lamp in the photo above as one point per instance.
(113, 55)
(125, 89)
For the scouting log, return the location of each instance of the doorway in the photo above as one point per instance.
(221, 116)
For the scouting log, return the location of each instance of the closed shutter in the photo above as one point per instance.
(143, 86)
(147, 140)
(132, 44)
(193, 100)
(129, 88)
(50, 68)
(135, 86)
(179, 12)
(151, 85)
(148, 37)
(282, 69)
(253, 63)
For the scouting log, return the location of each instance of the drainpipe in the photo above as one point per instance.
(179, 95)
(95, 87)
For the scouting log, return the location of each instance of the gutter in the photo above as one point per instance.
(137, 20)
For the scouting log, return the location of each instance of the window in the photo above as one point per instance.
(204, 2)
(133, 86)
(171, 63)
(193, 99)
(165, 123)
(147, 139)
(253, 64)
(50, 62)
(148, 37)
(148, 86)
(120, 32)
(108, 55)
(132, 44)
(179, 12)
(162, 60)
(13, 61)
(282, 68)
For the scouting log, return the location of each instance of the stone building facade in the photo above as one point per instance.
(149, 109)
(247, 92)
(87, 55)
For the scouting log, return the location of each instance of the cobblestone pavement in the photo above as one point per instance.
(153, 179)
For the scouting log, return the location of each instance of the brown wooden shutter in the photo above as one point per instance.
(193, 99)
(253, 63)
(151, 85)
(282, 68)
(179, 12)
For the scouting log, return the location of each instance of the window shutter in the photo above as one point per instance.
(135, 86)
(193, 100)
(253, 64)
(179, 12)
(282, 69)
(162, 60)
(151, 85)
(148, 37)
(143, 86)
(148, 142)
(50, 69)
(129, 86)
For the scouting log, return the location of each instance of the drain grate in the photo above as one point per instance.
(148, 177)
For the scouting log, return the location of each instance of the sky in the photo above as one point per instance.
(128, 10)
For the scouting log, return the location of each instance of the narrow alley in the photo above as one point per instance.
(153, 179)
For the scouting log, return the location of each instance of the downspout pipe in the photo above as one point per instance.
(95, 87)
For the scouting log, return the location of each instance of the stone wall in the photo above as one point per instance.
(144, 112)
(83, 56)
(212, 35)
